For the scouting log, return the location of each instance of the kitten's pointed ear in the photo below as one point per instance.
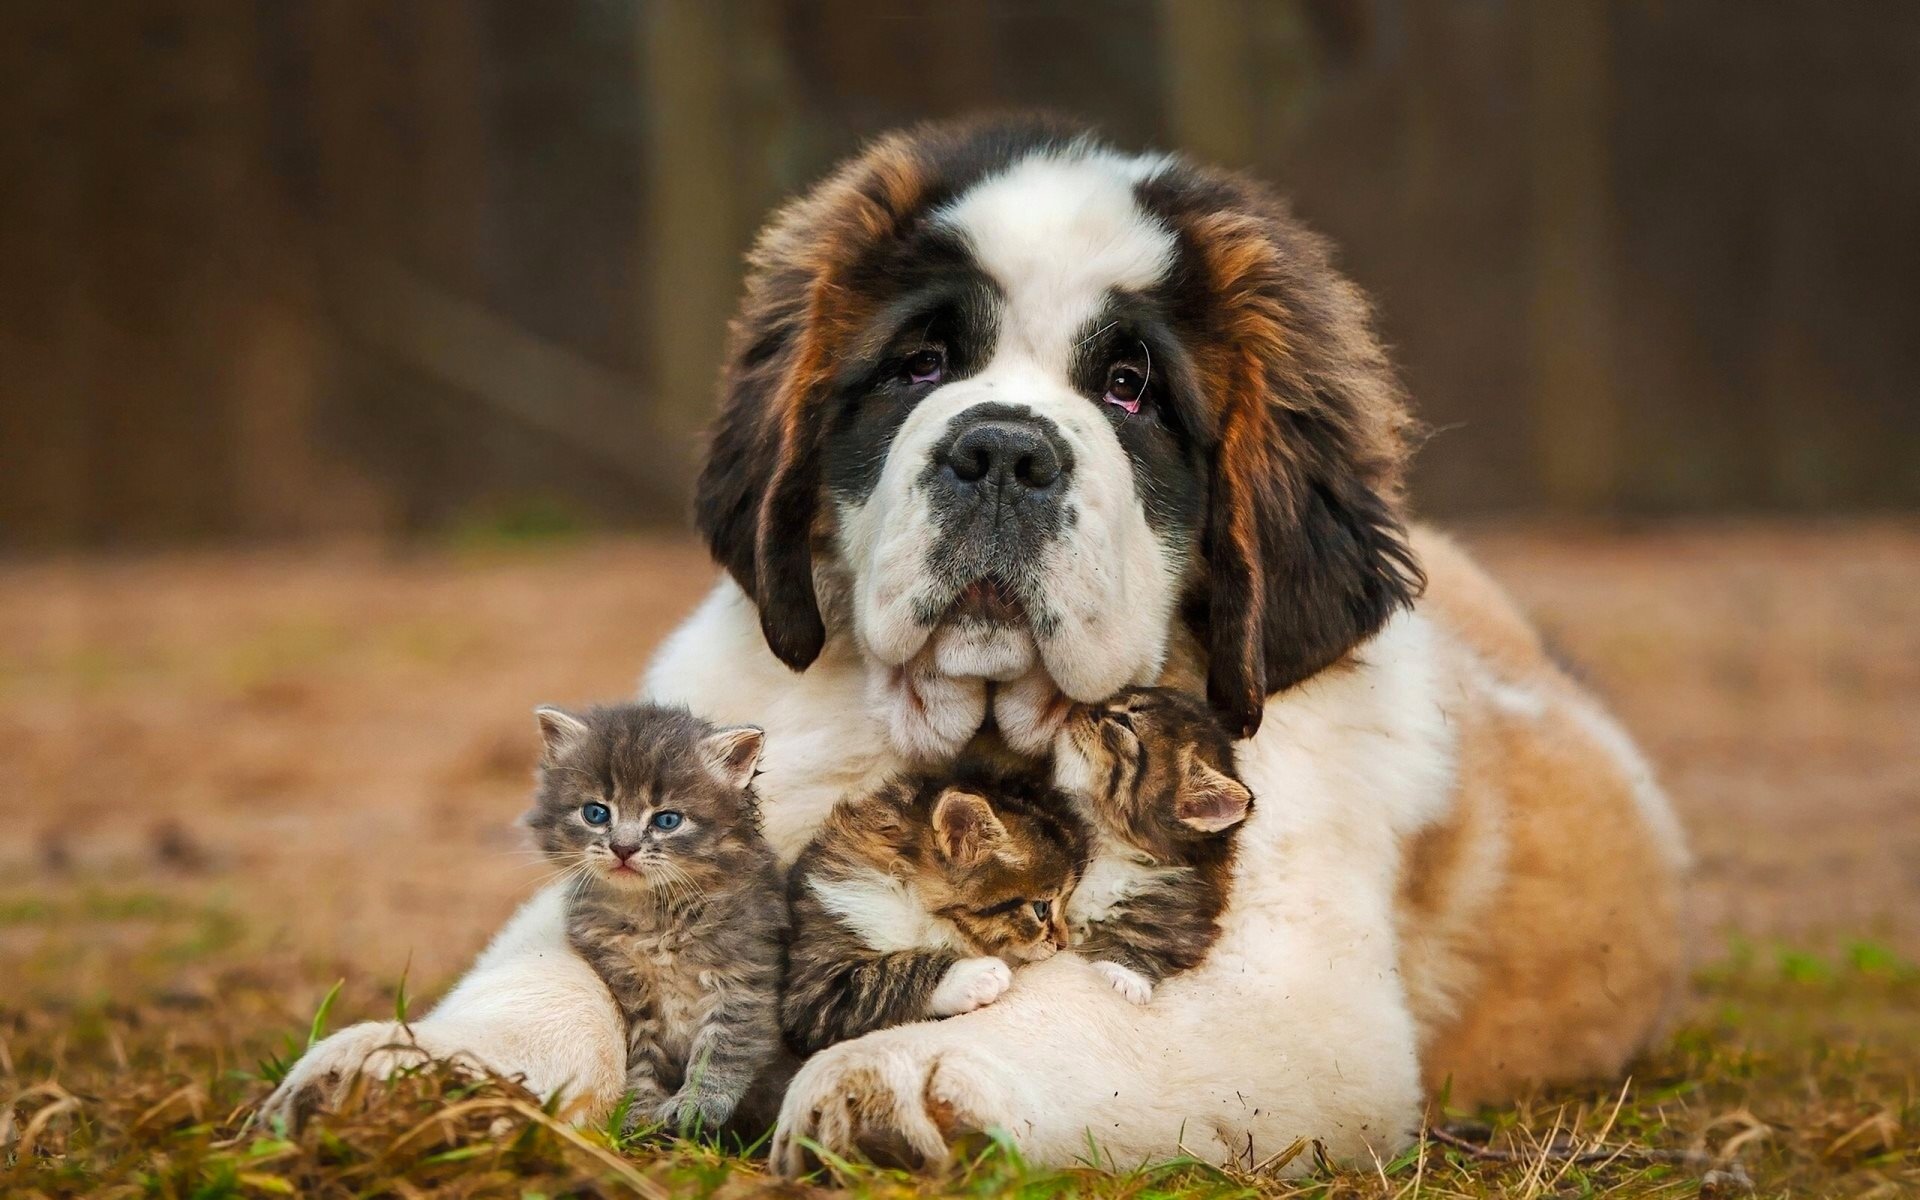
(1212, 800)
(560, 731)
(732, 754)
(965, 829)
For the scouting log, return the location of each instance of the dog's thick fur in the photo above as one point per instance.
(1460, 873)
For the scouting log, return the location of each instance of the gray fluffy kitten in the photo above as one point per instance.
(678, 904)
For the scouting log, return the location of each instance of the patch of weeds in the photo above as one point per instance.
(1798, 966)
(516, 523)
(432, 643)
(287, 650)
(212, 929)
(92, 904)
(103, 905)
(1874, 958)
(89, 931)
(92, 669)
(24, 910)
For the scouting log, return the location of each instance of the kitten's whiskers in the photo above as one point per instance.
(563, 865)
(676, 888)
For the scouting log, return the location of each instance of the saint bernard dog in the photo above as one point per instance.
(1013, 419)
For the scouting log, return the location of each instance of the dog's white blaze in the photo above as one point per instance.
(1058, 233)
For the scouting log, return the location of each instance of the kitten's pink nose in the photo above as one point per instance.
(623, 853)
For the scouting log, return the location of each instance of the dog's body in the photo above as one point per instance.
(1012, 420)
(1465, 877)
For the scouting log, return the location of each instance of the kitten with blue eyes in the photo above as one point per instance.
(677, 900)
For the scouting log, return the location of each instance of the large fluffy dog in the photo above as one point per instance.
(1010, 418)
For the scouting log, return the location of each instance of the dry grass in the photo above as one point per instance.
(230, 781)
(1806, 1079)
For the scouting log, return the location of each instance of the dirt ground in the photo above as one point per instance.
(318, 756)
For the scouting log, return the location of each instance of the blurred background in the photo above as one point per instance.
(389, 266)
(354, 356)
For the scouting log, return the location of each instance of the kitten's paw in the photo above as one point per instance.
(969, 984)
(644, 1109)
(1137, 988)
(685, 1114)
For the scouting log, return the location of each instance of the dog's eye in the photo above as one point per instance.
(924, 366)
(1126, 388)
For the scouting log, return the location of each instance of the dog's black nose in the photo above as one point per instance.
(1004, 453)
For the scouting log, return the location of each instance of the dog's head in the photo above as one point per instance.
(1000, 394)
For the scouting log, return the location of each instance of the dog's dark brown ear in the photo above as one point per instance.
(1306, 551)
(1304, 562)
(759, 490)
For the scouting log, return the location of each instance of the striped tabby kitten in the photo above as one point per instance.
(911, 903)
(678, 903)
(1151, 771)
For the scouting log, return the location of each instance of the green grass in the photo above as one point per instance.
(1798, 1065)
(517, 522)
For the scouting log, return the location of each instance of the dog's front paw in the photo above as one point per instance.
(894, 1098)
(1137, 988)
(323, 1075)
(969, 984)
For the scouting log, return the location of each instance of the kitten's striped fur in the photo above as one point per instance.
(687, 935)
(1152, 773)
(910, 903)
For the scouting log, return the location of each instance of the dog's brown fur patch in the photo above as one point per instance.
(1540, 923)
(1305, 547)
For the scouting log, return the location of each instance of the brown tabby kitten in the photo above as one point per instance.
(1151, 771)
(678, 903)
(911, 903)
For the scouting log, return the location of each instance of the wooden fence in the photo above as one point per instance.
(318, 266)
